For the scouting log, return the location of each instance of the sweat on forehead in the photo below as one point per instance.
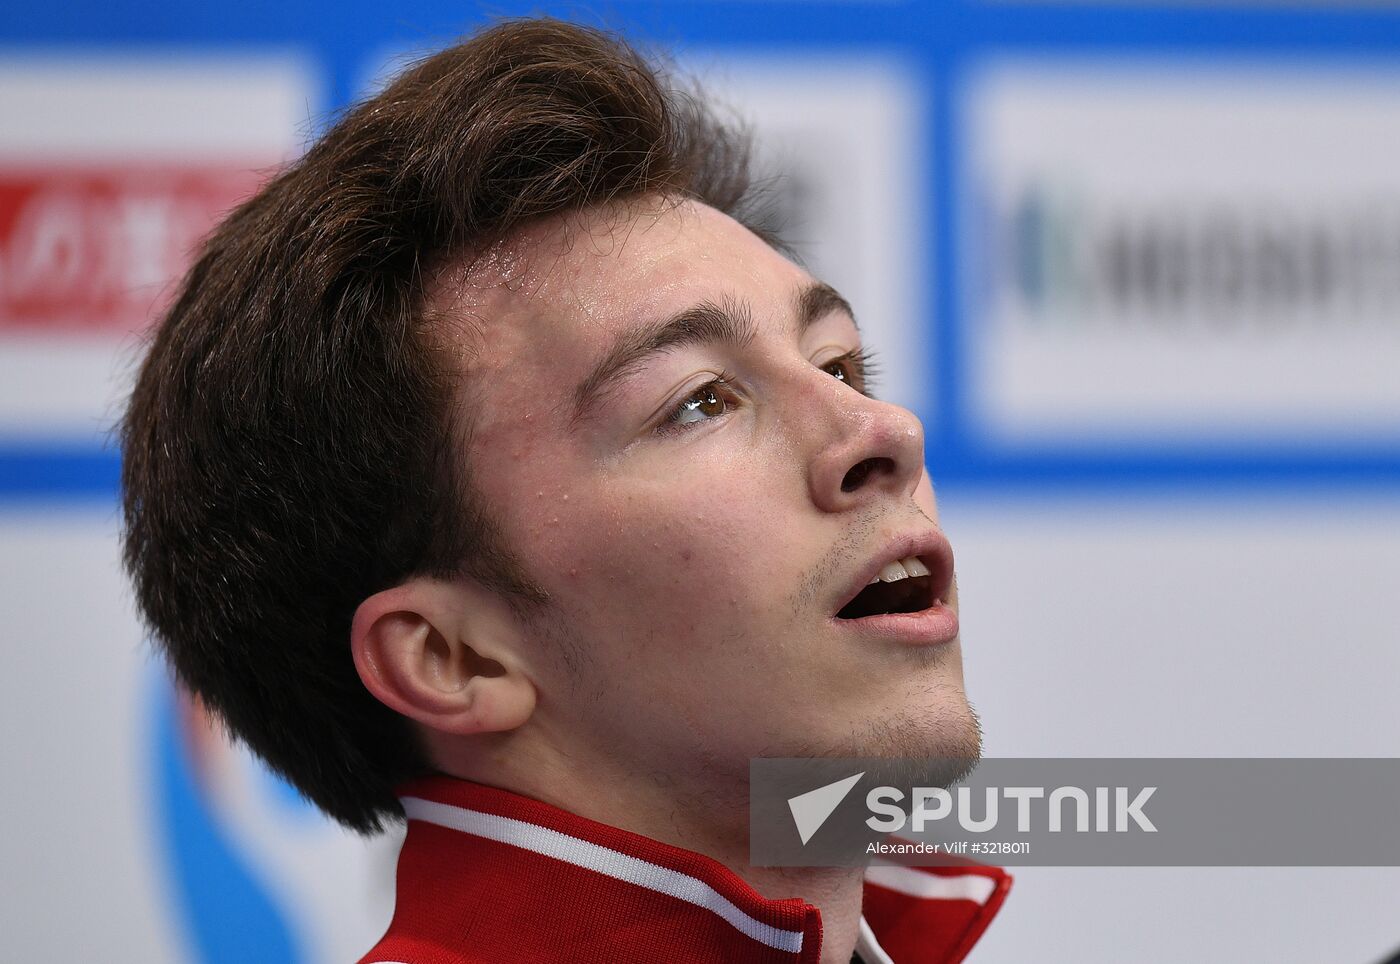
(527, 255)
(549, 265)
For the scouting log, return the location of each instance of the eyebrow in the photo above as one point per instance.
(728, 322)
(816, 301)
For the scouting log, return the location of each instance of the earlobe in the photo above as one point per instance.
(419, 650)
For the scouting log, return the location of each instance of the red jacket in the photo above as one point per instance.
(490, 876)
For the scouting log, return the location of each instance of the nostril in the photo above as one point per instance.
(862, 470)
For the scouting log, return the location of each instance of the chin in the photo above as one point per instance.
(938, 723)
(936, 744)
(949, 729)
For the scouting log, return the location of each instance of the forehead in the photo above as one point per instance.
(547, 303)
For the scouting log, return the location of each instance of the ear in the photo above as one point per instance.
(444, 654)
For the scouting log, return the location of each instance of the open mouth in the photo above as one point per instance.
(905, 586)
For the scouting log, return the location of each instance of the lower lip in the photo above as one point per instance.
(931, 627)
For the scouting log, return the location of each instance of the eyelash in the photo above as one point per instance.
(860, 366)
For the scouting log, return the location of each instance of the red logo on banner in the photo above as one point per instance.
(90, 248)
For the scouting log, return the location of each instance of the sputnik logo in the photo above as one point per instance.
(811, 809)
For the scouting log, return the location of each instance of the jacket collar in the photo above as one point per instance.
(489, 875)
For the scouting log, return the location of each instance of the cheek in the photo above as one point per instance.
(653, 563)
(669, 559)
(661, 553)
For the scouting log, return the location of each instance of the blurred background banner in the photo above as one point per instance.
(1183, 256)
(1136, 265)
(113, 164)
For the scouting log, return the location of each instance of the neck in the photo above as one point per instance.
(667, 811)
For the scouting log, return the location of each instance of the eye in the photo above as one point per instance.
(841, 370)
(710, 400)
(854, 368)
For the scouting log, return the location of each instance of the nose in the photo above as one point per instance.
(873, 450)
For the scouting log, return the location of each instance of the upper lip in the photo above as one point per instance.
(930, 547)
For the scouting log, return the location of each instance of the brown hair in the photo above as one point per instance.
(287, 449)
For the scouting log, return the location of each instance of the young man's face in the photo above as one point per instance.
(697, 539)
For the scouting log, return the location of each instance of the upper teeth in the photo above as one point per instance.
(901, 569)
